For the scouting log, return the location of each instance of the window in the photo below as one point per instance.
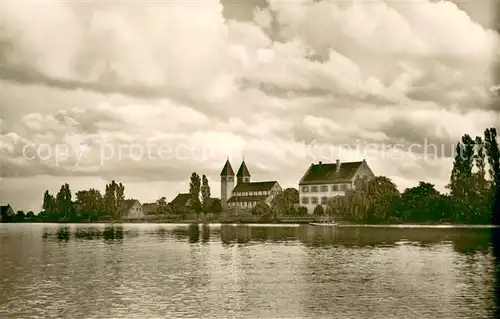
(305, 189)
(305, 200)
(314, 189)
(230, 178)
(335, 188)
(324, 188)
(324, 200)
(314, 200)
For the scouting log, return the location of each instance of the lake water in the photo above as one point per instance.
(225, 271)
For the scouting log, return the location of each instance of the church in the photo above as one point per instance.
(245, 194)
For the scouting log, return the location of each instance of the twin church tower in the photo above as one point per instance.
(227, 180)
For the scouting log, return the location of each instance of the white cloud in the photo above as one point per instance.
(330, 72)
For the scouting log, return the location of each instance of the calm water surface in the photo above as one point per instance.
(187, 271)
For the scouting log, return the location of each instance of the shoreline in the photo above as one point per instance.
(277, 223)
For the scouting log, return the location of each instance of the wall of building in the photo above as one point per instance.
(332, 190)
(226, 189)
(323, 191)
(135, 212)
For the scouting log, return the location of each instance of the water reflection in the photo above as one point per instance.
(496, 261)
(199, 270)
(65, 233)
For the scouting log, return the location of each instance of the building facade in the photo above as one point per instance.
(324, 181)
(132, 209)
(245, 194)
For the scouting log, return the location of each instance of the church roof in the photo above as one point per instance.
(254, 187)
(327, 172)
(227, 170)
(243, 171)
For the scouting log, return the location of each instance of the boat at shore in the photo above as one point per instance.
(330, 223)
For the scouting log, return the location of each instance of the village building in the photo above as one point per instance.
(132, 210)
(324, 181)
(6, 212)
(181, 200)
(151, 210)
(245, 194)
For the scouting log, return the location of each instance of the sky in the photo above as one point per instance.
(147, 93)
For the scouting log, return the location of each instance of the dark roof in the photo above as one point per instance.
(181, 199)
(254, 186)
(150, 208)
(227, 170)
(327, 172)
(4, 209)
(243, 171)
(128, 203)
(259, 198)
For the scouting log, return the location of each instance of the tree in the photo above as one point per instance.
(382, 195)
(20, 215)
(194, 191)
(49, 205)
(261, 209)
(302, 211)
(64, 205)
(114, 197)
(163, 207)
(89, 204)
(291, 195)
(480, 162)
(493, 153)
(418, 203)
(30, 215)
(205, 194)
(279, 205)
(318, 211)
(216, 206)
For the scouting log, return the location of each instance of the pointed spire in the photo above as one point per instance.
(227, 170)
(243, 171)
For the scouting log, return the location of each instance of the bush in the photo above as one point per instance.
(319, 211)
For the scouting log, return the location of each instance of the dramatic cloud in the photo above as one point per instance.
(147, 93)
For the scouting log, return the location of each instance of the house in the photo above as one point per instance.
(245, 194)
(6, 212)
(132, 209)
(150, 210)
(323, 181)
(181, 200)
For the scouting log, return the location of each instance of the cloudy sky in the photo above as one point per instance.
(146, 93)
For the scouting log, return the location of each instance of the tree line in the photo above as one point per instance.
(474, 192)
(474, 196)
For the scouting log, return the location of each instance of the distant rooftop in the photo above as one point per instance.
(327, 172)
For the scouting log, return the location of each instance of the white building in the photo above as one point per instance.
(324, 181)
(132, 209)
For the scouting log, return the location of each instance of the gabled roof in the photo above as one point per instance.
(243, 170)
(327, 172)
(181, 199)
(4, 209)
(150, 208)
(128, 203)
(227, 170)
(254, 186)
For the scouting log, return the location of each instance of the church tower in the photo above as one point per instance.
(243, 174)
(226, 183)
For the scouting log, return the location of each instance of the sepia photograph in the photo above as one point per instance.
(250, 159)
